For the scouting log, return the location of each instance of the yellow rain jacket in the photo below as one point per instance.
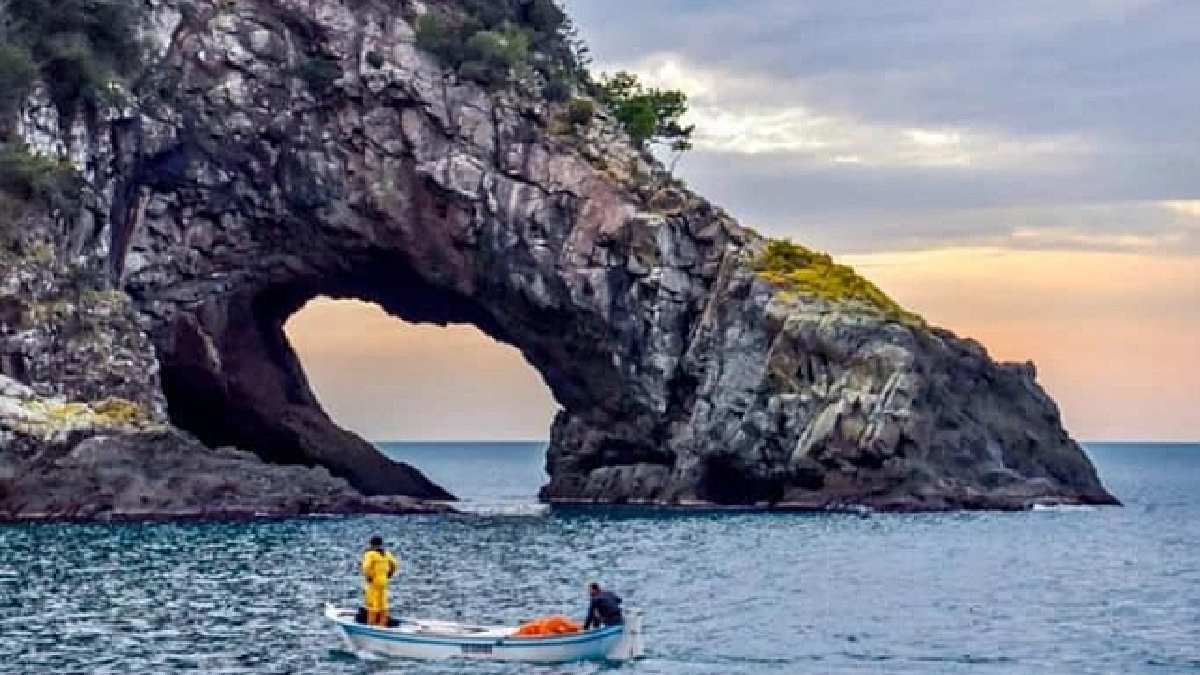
(377, 568)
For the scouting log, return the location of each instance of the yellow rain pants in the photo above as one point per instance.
(377, 568)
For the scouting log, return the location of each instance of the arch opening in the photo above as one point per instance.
(468, 411)
(387, 380)
(233, 377)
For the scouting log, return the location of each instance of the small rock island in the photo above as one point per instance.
(241, 157)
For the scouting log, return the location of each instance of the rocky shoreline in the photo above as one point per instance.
(414, 507)
(879, 505)
(161, 474)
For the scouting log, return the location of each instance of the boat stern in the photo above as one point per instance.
(340, 617)
(632, 643)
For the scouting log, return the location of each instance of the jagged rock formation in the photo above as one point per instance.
(91, 440)
(239, 190)
(121, 473)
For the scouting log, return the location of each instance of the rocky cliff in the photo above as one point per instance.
(277, 150)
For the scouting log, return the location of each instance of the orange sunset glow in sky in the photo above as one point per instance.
(1116, 339)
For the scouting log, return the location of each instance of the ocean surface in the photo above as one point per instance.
(1096, 590)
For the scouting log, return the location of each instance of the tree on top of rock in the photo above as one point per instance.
(649, 115)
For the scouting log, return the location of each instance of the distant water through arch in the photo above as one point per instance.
(489, 477)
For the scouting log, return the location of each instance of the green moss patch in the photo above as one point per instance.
(796, 269)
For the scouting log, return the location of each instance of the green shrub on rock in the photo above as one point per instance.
(487, 56)
(492, 56)
(17, 73)
(436, 35)
(544, 16)
(649, 114)
(32, 181)
(319, 73)
(580, 111)
(796, 269)
(28, 178)
(496, 41)
(558, 89)
(80, 48)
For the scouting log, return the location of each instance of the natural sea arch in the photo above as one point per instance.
(388, 380)
(684, 375)
(239, 381)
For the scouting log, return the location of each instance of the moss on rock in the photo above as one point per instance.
(796, 269)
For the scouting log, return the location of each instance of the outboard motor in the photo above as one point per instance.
(632, 644)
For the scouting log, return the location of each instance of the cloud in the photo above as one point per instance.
(732, 115)
(1189, 209)
(874, 125)
(1078, 238)
(1031, 66)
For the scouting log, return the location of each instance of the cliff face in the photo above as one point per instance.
(84, 432)
(242, 187)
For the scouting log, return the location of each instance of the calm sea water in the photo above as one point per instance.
(1058, 591)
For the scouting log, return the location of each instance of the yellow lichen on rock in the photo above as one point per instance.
(48, 418)
(120, 412)
(41, 252)
(796, 269)
(59, 414)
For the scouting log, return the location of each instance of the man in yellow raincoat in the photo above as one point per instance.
(378, 566)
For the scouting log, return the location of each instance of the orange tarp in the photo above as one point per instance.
(548, 625)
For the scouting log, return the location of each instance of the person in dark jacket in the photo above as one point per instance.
(604, 609)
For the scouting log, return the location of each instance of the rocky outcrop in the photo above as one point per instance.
(90, 439)
(163, 474)
(239, 189)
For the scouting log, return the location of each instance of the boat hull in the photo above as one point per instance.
(613, 642)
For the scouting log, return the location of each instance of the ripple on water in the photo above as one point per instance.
(1102, 590)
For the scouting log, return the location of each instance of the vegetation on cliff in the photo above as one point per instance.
(649, 114)
(641, 303)
(78, 48)
(26, 178)
(796, 269)
(495, 41)
(82, 51)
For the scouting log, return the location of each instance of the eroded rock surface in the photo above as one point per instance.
(88, 438)
(238, 193)
(164, 474)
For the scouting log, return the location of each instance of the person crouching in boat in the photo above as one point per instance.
(378, 567)
(604, 608)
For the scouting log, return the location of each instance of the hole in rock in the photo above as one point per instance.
(468, 411)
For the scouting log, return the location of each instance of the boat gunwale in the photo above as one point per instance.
(507, 641)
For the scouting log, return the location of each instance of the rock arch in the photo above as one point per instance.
(684, 376)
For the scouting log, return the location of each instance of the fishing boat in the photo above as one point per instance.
(431, 639)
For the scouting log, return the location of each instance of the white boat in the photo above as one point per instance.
(430, 639)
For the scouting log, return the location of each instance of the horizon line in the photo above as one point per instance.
(546, 440)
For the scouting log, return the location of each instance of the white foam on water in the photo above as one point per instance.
(365, 655)
(504, 509)
(1063, 507)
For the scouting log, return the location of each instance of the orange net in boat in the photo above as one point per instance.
(548, 625)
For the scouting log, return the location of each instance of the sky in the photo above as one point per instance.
(1026, 173)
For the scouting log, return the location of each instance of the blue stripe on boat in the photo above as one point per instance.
(358, 629)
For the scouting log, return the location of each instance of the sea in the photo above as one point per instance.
(1061, 590)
